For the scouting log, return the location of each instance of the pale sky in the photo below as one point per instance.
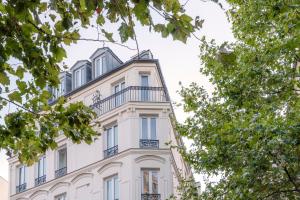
(179, 62)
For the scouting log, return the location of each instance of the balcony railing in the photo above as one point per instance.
(149, 144)
(111, 152)
(40, 180)
(150, 196)
(21, 188)
(60, 172)
(130, 94)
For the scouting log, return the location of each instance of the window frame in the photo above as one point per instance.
(149, 119)
(38, 172)
(115, 182)
(58, 156)
(59, 196)
(100, 70)
(115, 136)
(21, 168)
(150, 180)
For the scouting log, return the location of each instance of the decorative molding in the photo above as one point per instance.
(59, 184)
(37, 193)
(80, 176)
(150, 157)
(109, 165)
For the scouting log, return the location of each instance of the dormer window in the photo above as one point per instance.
(78, 77)
(100, 66)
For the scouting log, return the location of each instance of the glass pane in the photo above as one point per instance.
(116, 188)
(77, 78)
(154, 182)
(145, 182)
(145, 81)
(117, 89)
(62, 158)
(122, 86)
(109, 189)
(144, 128)
(82, 78)
(40, 170)
(104, 68)
(115, 135)
(153, 128)
(109, 138)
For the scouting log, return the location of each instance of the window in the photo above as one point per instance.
(21, 182)
(148, 128)
(21, 175)
(120, 97)
(145, 89)
(62, 158)
(79, 77)
(148, 137)
(61, 162)
(111, 188)
(111, 141)
(100, 66)
(149, 181)
(41, 166)
(61, 88)
(61, 197)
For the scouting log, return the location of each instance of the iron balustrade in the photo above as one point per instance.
(60, 172)
(111, 152)
(130, 94)
(21, 188)
(150, 196)
(149, 144)
(40, 180)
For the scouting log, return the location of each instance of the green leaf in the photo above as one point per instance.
(4, 79)
(15, 96)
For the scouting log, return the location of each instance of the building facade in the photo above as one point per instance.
(3, 189)
(130, 160)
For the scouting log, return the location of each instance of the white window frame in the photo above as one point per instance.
(115, 134)
(21, 169)
(41, 161)
(99, 69)
(57, 157)
(150, 175)
(119, 99)
(149, 126)
(80, 81)
(115, 190)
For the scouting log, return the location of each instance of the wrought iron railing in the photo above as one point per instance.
(131, 93)
(21, 188)
(111, 151)
(149, 144)
(40, 180)
(60, 172)
(150, 196)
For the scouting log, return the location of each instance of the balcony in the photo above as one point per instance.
(40, 180)
(129, 94)
(21, 188)
(111, 152)
(149, 144)
(60, 172)
(150, 196)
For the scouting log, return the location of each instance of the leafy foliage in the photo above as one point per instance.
(33, 33)
(248, 128)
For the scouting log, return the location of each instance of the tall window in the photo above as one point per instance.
(21, 175)
(111, 140)
(120, 98)
(62, 158)
(149, 181)
(144, 90)
(61, 197)
(41, 167)
(111, 188)
(61, 88)
(148, 128)
(100, 66)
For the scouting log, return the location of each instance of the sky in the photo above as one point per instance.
(179, 62)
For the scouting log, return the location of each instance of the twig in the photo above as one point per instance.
(20, 106)
(78, 39)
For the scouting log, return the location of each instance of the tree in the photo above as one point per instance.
(34, 33)
(248, 129)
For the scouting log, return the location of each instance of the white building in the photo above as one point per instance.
(130, 160)
(3, 189)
